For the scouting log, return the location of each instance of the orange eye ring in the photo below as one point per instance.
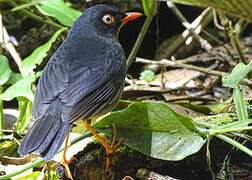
(108, 19)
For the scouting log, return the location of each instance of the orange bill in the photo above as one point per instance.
(131, 16)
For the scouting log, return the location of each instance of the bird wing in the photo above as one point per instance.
(91, 89)
(84, 90)
(53, 81)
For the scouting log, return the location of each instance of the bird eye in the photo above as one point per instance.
(108, 19)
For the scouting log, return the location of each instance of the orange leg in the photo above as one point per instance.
(109, 148)
(64, 162)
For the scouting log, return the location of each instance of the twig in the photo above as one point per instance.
(198, 24)
(220, 43)
(166, 62)
(227, 24)
(5, 40)
(216, 23)
(188, 26)
(10, 47)
(17, 160)
(234, 41)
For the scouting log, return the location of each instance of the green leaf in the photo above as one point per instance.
(33, 176)
(240, 105)
(149, 7)
(26, 5)
(37, 55)
(237, 8)
(14, 77)
(233, 125)
(58, 9)
(154, 129)
(24, 106)
(80, 127)
(20, 88)
(5, 70)
(8, 148)
(207, 108)
(237, 74)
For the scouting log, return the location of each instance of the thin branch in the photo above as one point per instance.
(188, 26)
(220, 43)
(185, 37)
(166, 62)
(216, 23)
(227, 24)
(5, 40)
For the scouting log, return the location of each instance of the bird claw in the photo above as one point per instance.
(66, 163)
(110, 149)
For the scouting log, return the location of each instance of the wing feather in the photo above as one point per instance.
(84, 89)
(93, 103)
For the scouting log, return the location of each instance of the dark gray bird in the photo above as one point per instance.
(83, 79)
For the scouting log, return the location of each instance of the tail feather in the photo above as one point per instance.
(56, 143)
(47, 134)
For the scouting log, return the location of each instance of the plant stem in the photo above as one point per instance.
(139, 40)
(227, 24)
(31, 165)
(1, 113)
(208, 158)
(48, 170)
(39, 161)
(235, 143)
(213, 131)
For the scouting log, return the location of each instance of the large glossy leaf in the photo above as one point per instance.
(58, 9)
(20, 88)
(237, 74)
(154, 129)
(5, 70)
(37, 55)
(237, 8)
(81, 128)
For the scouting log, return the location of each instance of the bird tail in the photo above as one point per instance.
(47, 134)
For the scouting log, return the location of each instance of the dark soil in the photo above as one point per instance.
(227, 163)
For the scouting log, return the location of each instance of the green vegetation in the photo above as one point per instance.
(152, 128)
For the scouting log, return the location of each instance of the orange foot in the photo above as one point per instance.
(66, 163)
(109, 148)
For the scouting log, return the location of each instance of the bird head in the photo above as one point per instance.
(103, 20)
